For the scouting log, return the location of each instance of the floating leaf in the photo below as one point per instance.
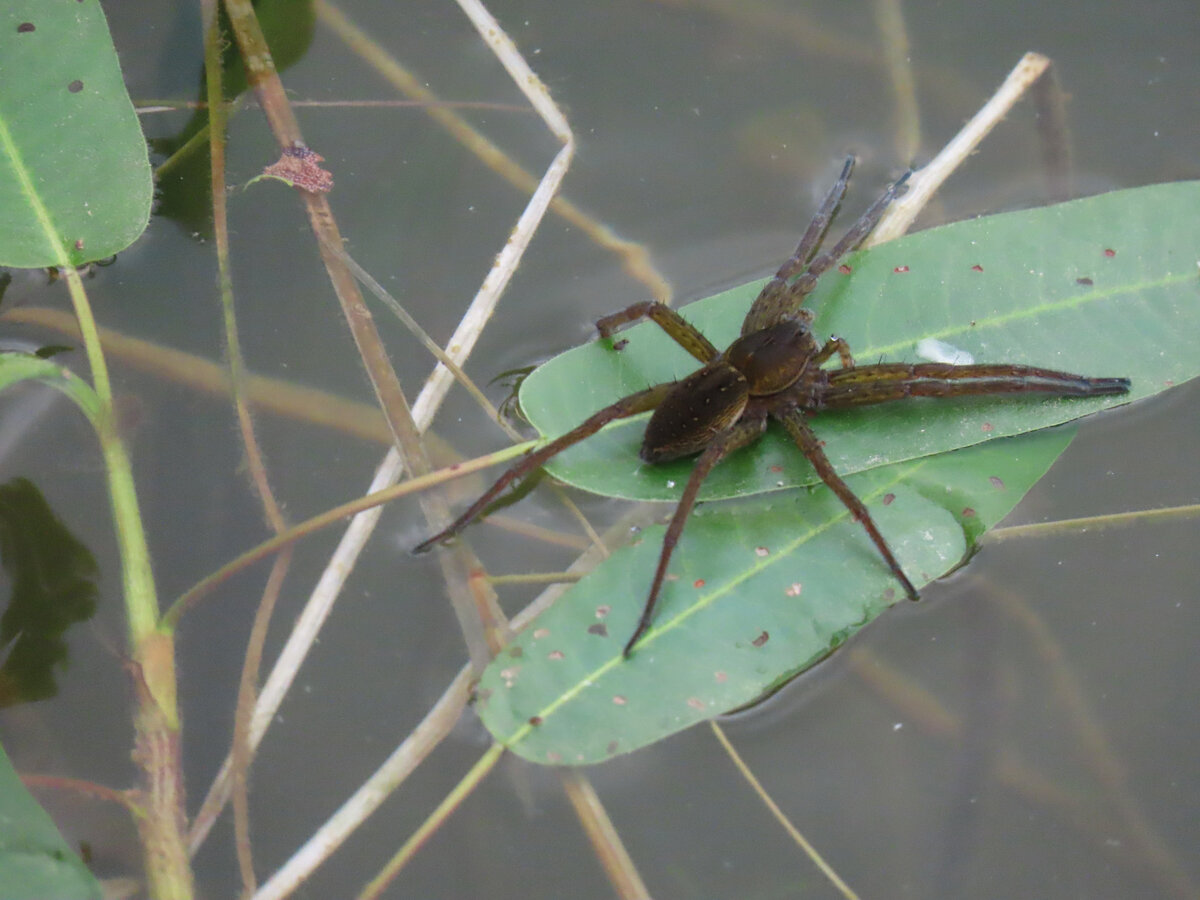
(763, 588)
(74, 173)
(1104, 286)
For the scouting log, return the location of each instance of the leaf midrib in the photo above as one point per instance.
(705, 600)
(1026, 312)
(24, 178)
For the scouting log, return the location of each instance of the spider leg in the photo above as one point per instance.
(815, 233)
(680, 330)
(623, 408)
(833, 345)
(773, 295)
(778, 300)
(806, 440)
(858, 232)
(743, 432)
(867, 385)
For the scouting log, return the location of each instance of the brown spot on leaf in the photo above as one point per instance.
(698, 583)
(794, 589)
(761, 551)
(599, 629)
(997, 482)
(535, 721)
(977, 268)
(900, 270)
(603, 610)
(720, 676)
(25, 28)
(79, 244)
(844, 269)
(761, 639)
(987, 427)
(612, 746)
(889, 499)
(556, 655)
(1085, 281)
(75, 86)
(696, 703)
(1110, 252)
(619, 700)
(968, 512)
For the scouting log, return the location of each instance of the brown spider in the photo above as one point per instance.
(774, 371)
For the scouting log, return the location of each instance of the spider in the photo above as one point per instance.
(774, 370)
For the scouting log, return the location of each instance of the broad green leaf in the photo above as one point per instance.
(764, 588)
(35, 861)
(18, 367)
(74, 172)
(1105, 286)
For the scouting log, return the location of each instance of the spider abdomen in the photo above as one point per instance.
(696, 410)
(772, 358)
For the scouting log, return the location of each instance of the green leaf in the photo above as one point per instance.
(1037, 287)
(765, 588)
(18, 367)
(74, 173)
(53, 578)
(35, 861)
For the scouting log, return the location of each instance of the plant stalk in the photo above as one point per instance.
(161, 825)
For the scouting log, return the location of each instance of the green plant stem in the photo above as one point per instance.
(156, 722)
(452, 801)
(141, 605)
(534, 578)
(330, 517)
(1089, 523)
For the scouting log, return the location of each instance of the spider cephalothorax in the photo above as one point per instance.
(775, 370)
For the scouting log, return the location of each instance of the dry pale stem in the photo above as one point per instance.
(415, 748)
(924, 183)
(636, 260)
(460, 345)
